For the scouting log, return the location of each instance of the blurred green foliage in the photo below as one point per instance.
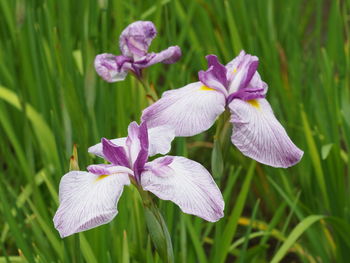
(51, 99)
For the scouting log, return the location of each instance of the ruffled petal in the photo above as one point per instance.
(167, 56)
(189, 110)
(186, 183)
(136, 38)
(241, 70)
(87, 201)
(258, 134)
(112, 68)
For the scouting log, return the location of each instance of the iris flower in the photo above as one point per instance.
(134, 42)
(89, 199)
(194, 108)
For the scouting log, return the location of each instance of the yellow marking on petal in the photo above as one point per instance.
(102, 177)
(254, 103)
(234, 71)
(206, 88)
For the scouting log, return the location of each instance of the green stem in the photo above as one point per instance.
(150, 92)
(156, 227)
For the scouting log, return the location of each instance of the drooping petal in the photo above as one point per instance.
(215, 76)
(114, 154)
(112, 68)
(241, 70)
(189, 110)
(136, 38)
(87, 201)
(258, 134)
(160, 138)
(167, 56)
(97, 148)
(186, 183)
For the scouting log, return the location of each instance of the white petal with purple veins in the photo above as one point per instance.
(87, 201)
(187, 183)
(189, 110)
(258, 134)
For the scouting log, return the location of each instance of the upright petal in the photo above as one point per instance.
(87, 201)
(259, 135)
(142, 156)
(241, 70)
(215, 76)
(112, 68)
(137, 143)
(160, 138)
(136, 38)
(189, 110)
(187, 183)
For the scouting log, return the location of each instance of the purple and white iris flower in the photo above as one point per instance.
(194, 108)
(134, 42)
(89, 199)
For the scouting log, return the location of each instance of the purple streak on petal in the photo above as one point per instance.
(215, 76)
(252, 68)
(136, 38)
(108, 169)
(114, 154)
(257, 83)
(186, 183)
(97, 148)
(142, 157)
(240, 71)
(167, 56)
(111, 68)
(246, 94)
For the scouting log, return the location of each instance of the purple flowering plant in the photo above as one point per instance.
(89, 198)
(134, 43)
(237, 86)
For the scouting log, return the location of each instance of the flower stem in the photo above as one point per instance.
(156, 227)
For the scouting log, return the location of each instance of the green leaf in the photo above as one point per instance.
(326, 150)
(294, 235)
(159, 233)
(43, 132)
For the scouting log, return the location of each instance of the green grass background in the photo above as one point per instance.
(51, 98)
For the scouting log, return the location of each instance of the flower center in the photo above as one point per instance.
(254, 103)
(205, 88)
(102, 176)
